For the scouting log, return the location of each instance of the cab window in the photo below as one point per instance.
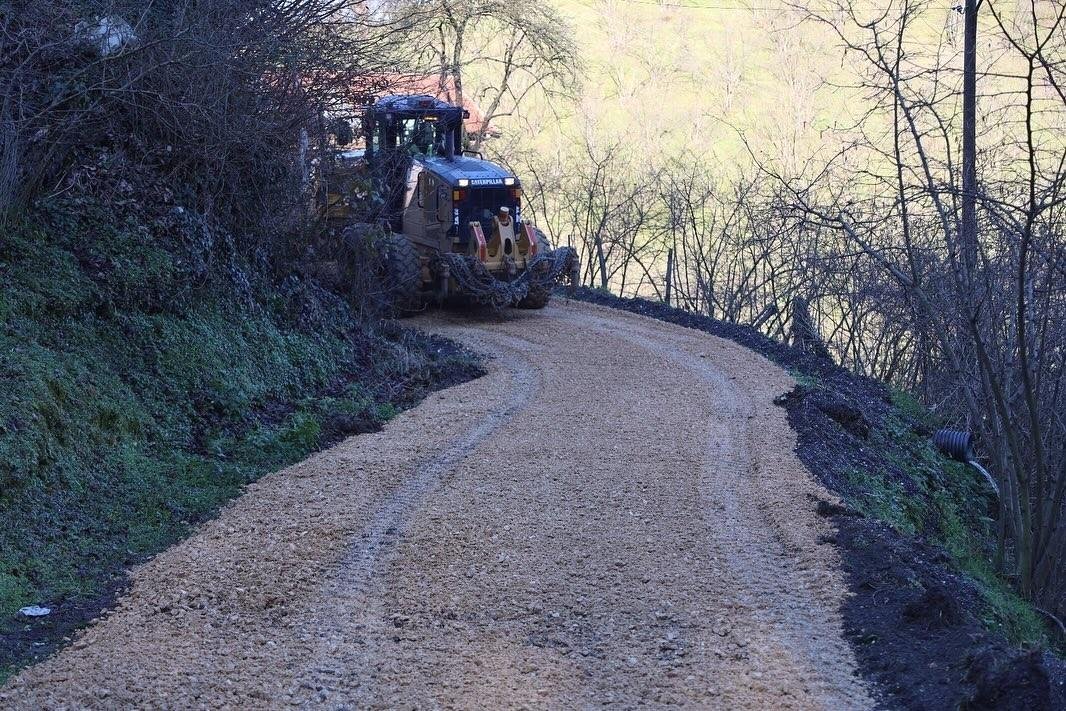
(444, 204)
(427, 195)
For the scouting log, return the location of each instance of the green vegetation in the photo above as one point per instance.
(144, 384)
(877, 497)
(805, 381)
(919, 492)
(665, 79)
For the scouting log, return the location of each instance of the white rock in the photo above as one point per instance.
(35, 611)
(108, 35)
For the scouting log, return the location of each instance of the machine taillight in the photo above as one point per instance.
(458, 195)
(516, 193)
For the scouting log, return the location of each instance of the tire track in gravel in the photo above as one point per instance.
(613, 516)
(350, 595)
(788, 601)
(218, 620)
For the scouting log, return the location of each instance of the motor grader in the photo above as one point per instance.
(452, 221)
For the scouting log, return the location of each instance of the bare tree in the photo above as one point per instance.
(507, 50)
(977, 263)
(211, 92)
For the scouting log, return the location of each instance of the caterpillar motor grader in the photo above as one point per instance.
(453, 221)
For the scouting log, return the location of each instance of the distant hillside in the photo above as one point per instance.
(666, 76)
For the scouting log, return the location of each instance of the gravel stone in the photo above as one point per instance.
(615, 486)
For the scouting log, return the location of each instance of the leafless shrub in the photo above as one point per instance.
(513, 49)
(214, 93)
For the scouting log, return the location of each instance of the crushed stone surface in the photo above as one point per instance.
(613, 516)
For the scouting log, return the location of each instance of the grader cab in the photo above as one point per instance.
(453, 220)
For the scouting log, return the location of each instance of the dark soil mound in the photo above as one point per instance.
(1017, 682)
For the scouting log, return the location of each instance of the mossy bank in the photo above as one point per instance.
(149, 370)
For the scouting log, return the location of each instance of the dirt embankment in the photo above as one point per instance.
(614, 514)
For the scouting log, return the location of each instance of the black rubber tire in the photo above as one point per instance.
(402, 274)
(537, 298)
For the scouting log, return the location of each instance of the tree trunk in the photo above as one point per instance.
(669, 273)
(602, 262)
(969, 150)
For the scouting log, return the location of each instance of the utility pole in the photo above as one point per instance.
(969, 145)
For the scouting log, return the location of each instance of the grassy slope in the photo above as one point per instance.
(662, 78)
(144, 383)
(918, 492)
(694, 74)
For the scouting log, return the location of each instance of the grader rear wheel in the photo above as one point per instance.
(538, 296)
(401, 275)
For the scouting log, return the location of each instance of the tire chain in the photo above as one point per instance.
(478, 282)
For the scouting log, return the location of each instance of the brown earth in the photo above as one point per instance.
(613, 515)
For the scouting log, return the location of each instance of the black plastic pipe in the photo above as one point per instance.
(958, 445)
(955, 444)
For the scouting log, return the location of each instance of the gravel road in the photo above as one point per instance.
(614, 515)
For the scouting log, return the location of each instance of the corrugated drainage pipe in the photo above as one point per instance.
(959, 446)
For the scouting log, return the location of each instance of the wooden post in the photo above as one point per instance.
(764, 316)
(805, 333)
(603, 263)
(669, 273)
